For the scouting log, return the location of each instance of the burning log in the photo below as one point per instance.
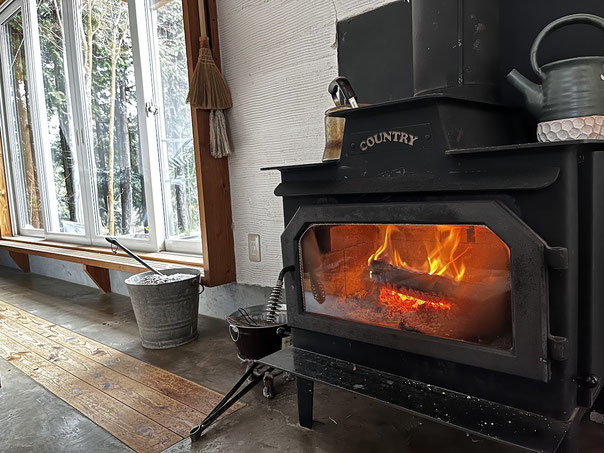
(387, 274)
(440, 306)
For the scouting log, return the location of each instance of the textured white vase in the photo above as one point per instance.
(580, 128)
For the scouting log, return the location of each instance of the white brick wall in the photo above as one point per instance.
(278, 57)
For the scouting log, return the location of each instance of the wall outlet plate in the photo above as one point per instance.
(253, 247)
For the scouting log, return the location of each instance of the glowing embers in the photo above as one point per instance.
(398, 303)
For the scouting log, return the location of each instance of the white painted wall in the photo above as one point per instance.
(278, 57)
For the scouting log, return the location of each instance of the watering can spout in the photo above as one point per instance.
(532, 92)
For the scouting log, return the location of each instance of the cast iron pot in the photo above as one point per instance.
(256, 342)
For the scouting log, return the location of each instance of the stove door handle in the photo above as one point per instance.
(558, 348)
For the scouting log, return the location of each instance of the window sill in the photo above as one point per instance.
(96, 260)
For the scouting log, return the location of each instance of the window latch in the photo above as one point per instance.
(151, 108)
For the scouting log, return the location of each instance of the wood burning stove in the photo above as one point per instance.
(455, 275)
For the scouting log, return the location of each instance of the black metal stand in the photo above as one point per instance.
(305, 401)
(268, 390)
(473, 415)
(229, 399)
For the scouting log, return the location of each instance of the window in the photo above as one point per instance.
(98, 133)
(20, 124)
(174, 129)
(67, 211)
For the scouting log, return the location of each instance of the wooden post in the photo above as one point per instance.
(212, 174)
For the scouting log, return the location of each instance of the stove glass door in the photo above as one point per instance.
(448, 281)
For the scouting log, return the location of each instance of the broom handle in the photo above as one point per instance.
(203, 24)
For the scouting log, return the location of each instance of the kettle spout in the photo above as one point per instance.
(532, 92)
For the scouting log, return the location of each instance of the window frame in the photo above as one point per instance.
(7, 13)
(172, 244)
(153, 243)
(50, 226)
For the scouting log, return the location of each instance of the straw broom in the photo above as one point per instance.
(209, 91)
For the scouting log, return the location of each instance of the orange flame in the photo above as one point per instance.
(442, 256)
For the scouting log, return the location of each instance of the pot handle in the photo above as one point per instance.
(587, 19)
(234, 329)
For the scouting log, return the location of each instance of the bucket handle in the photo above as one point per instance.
(202, 289)
(236, 330)
(587, 19)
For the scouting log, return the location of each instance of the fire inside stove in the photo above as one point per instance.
(450, 281)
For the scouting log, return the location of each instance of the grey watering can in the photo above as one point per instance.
(569, 88)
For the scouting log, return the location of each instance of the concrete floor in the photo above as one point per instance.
(32, 419)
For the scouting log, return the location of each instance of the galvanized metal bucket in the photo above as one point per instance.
(166, 313)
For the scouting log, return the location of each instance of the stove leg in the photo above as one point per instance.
(570, 443)
(305, 401)
(599, 404)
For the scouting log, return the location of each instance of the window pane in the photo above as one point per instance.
(67, 195)
(175, 131)
(112, 113)
(18, 104)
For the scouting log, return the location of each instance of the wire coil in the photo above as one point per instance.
(274, 301)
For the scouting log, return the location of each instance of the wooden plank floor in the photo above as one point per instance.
(147, 408)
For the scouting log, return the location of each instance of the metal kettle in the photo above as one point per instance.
(569, 88)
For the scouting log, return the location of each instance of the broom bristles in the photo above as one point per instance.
(208, 89)
(219, 138)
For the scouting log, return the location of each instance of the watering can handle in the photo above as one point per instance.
(587, 19)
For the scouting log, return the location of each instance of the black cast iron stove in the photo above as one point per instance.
(449, 268)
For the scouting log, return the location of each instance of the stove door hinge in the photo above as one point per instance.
(557, 348)
(556, 257)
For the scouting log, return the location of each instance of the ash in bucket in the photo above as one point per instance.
(157, 279)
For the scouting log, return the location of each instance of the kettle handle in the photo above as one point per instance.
(587, 19)
(341, 86)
